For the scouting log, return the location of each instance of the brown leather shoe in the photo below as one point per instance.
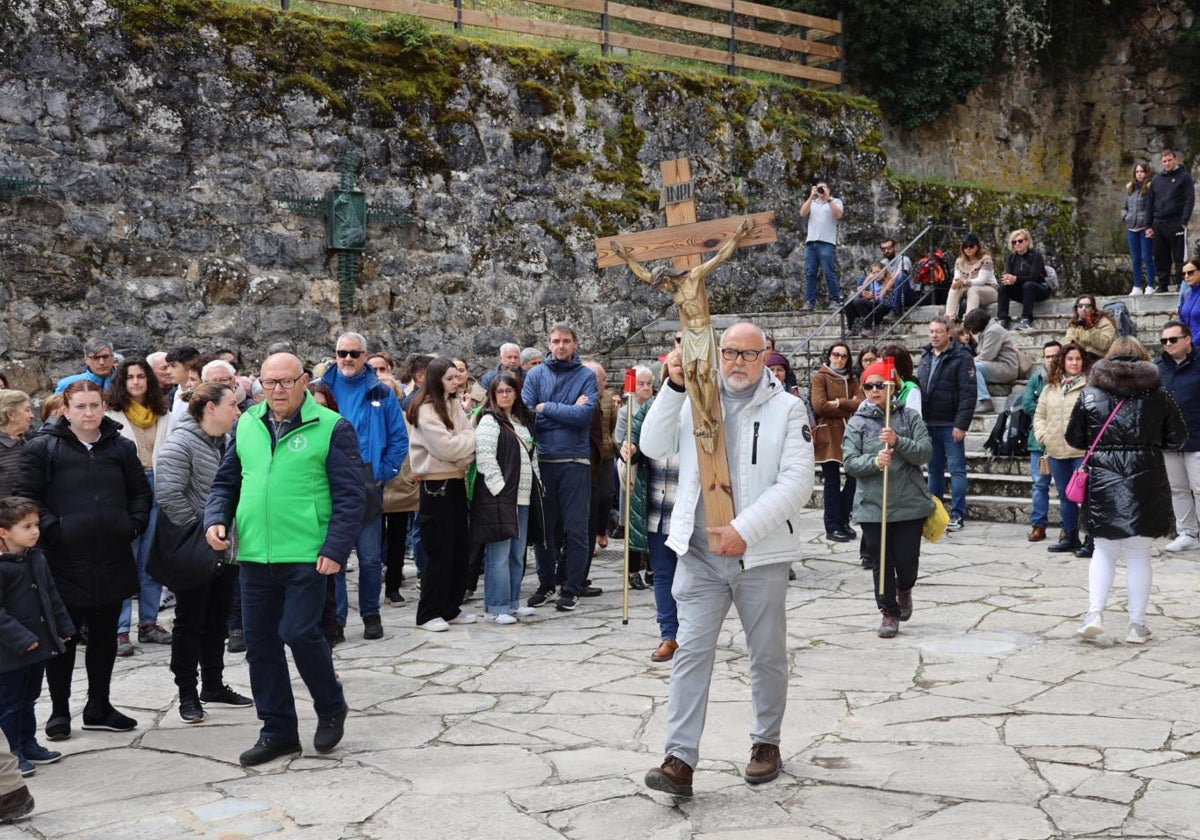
(674, 777)
(664, 651)
(1037, 533)
(19, 802)
(764, 764)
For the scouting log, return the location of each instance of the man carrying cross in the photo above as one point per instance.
(768, 443)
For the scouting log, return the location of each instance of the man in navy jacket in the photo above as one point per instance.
(562, 394)
(946, 375)
(1174, 198)
(1179, 365)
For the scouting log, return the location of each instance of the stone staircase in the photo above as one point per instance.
(998, 491)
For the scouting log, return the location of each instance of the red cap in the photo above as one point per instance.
(885, 367)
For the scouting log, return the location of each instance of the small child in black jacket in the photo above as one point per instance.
(34, 625)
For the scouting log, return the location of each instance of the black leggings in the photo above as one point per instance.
(99, 659)
(395, 541)
(199, 631)
(903, 559)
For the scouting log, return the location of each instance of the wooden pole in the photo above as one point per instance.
(630, 388)
(887, 424)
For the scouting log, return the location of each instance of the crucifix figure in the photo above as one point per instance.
(683, 241)
(699, 344)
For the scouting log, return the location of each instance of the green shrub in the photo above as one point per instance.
(408, 31)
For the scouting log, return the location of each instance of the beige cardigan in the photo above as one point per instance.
(1050, 419)
(436, 450)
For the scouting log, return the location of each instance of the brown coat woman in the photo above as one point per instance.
(836, 395)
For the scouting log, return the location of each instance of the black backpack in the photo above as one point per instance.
(1009, 438)
(1120, 314)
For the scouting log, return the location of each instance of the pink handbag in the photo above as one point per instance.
(1077, 487)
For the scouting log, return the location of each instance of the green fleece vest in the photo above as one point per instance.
(284, 508)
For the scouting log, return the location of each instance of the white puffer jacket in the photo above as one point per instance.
(777, 469)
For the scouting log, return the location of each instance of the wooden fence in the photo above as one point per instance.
(807, 53)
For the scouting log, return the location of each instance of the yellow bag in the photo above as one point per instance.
(936, 522)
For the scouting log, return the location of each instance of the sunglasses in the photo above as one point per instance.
(1019, 241)
(1085, 306)
(874, 386)
(353, 354)
(1189, 273)
(1171, 339)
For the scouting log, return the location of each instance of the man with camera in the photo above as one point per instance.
(820, 246)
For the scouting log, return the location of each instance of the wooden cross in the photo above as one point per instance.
(683, 241)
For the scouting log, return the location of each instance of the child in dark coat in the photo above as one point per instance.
(34, 625)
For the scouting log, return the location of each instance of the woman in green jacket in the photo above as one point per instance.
(902, 448)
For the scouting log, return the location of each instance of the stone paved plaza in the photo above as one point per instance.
(984, 719)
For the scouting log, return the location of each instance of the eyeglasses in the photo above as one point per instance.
(874, 386)
(106, 357)
(285, 384)
(1170, 339)
(353, 354)
(731, 355)
(1085, 306)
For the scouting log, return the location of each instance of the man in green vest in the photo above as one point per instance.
(292, 481)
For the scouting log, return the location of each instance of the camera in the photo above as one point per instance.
(820, 189)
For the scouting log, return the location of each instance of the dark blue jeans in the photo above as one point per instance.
(662, 563)
(1068, 511)
(281, 604)
(945, 448)
(19, 690)
(822, 256)
(568, 504)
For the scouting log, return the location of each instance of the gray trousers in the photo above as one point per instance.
(10, 777)
(704, 588)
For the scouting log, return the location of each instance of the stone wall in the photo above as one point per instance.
(167, 133)
(1077, 134)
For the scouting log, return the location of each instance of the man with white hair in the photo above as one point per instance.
(531, 357)
(373, 410)
(510, 359)
(224, 373)
(162, 371)
(768, 443)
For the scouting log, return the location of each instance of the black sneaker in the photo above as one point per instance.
(189, 708)
(372, 627)
(330, 729)
(540, 597)
(237, 642)
(394, 599)
(225, 696)
(267, 749)
(107, 720)
(567, 603)
(58, 727)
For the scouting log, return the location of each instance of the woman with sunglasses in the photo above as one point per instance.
(902, 448)
(1189, 296)
(974, 278)
(1091, 328)
(1024, 279)
(835, 397)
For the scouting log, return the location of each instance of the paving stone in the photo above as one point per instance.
(461, 770)
(1064, 778)
(626, 818)
(1136, 759)
(1117, 787)
(562, 797)
(1169, 808)
(475, 815)
(859, 812)
(345, 795)
(981, 821)
(1079, 730)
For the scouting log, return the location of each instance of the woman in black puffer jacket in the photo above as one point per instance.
(95, 499)
(1128, 500)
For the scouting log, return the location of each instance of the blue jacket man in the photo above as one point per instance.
(373, 410)
(99, 360)
(563, 395)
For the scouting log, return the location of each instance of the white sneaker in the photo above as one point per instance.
(1149, 290)
(1139, 634)
(435, 625)
(463, 618)
(1093, 626)
(500, 618)
(1184, 542)
(1137, 290)
(523, 611)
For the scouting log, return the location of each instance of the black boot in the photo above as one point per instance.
(1085, 550)
(1069, 541)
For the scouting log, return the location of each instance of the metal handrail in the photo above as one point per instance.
(840, 311)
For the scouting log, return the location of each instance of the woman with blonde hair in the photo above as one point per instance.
(974, 277)
(1024, 279)
(1129, 419)
(1091, 328)
(1137, 214)
(16, 416)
